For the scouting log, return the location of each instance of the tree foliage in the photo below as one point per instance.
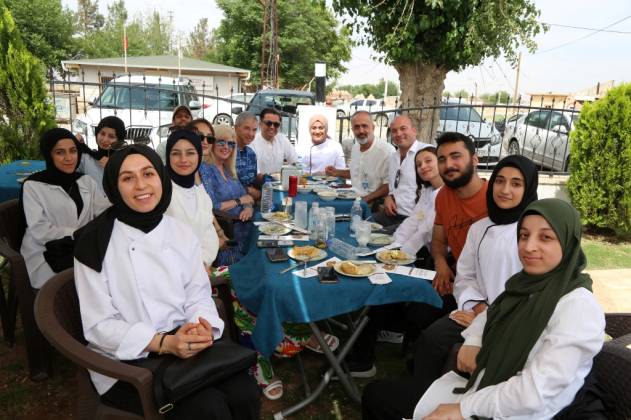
(600, 151)
(88, 17)
(24, 106)
(500, 97)
(307, 35)
(46, 29)
(200, 43)
(375, 89)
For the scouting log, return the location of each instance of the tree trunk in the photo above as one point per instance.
(422, 86)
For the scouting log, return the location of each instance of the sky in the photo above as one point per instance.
(580, 64)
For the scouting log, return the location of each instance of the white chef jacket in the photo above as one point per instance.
(370, 167)
(149, 283)
(555, 369)
(271, 154)
(194, 207)
(51, 214)
(317, 157)
(405, 194)
(416, 230)
(488, 259)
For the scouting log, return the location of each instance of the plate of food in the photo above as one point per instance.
(354, 268)
(273, 229)
(277, 216)
(380, 239)
(347, 195)
(375, 226)
(327, 195)
(306, 253)
(395, 256)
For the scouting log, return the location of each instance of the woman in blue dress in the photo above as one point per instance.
(222, 184)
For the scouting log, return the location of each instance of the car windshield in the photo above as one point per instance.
(286, 103)
(459, 113)
(152, 97)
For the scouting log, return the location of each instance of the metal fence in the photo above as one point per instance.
(145, 103)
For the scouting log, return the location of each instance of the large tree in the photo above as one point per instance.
(425, 39)
(200, 43)
(46, 29)
(24, 103)
(88, 16)
(308, 33)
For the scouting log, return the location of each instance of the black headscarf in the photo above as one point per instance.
(531, 182)
(108, 122)
(93, 239)
(52, 175)
(185, 181)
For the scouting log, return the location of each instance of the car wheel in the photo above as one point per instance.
(340, 113)
(381, 120)
(222, 119)
(513, 148)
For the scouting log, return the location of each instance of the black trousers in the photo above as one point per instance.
(390, 399)
(238, 398)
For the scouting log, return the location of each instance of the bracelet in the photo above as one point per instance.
(163, 334)
(238, 201)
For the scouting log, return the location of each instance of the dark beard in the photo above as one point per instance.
(463, 179)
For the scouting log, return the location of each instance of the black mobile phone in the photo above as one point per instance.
(276, 254)
(272, 243)
(327, 275)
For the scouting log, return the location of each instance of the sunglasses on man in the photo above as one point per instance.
(268, 123)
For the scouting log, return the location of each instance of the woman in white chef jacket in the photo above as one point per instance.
(530, 351)
(139, 273)
(191, 203)
(56, 202)
(324, 151)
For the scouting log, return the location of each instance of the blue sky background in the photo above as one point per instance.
(576, 66)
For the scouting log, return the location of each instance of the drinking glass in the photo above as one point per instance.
(301, 214)
(330, 219)
(362, 233)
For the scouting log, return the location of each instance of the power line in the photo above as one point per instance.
(583, 37)
(586, 29)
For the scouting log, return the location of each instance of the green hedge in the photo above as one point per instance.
(600, 163)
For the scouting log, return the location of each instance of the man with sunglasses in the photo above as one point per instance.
(271, 146)
(245, 130)
(402, 173)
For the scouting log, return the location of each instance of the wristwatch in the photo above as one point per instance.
(238, 201)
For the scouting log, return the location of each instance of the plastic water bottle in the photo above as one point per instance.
(313, 215)
(356, 213)
(267, 199)
(342, 249)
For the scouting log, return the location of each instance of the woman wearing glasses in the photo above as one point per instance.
(220, 180)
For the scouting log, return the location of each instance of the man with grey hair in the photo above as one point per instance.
(245, 128)
(368, 168)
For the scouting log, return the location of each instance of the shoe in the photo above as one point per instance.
(273, 390)
(330, 339)
(392, 337)
(358, 370)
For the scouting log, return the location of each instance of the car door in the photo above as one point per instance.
(557, 141)
(531, 134)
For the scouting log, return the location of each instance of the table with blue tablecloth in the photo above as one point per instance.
(11, 173)
(341, 206)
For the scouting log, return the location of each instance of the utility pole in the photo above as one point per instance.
(270, 53)
(516, 91)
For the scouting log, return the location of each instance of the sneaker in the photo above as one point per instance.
(392, 337)
(358, 370)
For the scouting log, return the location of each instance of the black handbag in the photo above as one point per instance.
(175, 378)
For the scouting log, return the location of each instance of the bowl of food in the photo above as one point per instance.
(327, 195)
(304, 189)
(380, 239)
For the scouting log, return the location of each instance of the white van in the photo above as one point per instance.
(144, 103)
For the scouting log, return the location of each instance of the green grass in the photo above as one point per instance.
(603, 255)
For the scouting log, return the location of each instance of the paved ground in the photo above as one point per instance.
(613, 289)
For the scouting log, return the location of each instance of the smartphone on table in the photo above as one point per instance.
(276, 254)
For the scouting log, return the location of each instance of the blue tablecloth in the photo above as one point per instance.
(10, 173)
(277, 298)
(341, 206)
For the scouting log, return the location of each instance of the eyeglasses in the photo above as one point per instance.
(208, 138)
(397, 178)
(230, 144)
(276, 124)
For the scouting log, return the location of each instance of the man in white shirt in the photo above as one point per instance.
(369, 161)
(272, 147)
(402, 173)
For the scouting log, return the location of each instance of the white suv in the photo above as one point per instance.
(145, 104)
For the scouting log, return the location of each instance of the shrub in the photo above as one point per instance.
(25, 110)
(600, 164)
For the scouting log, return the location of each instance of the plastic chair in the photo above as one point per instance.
(57, 314)
(12, 227)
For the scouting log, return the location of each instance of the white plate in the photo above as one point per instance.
(338, 267)
(277, 216)
(318, 177)
(383, 256)
(346, 195)
(319, 256)
(380, 239)
(327, 196)
(274, 229)
(375, 226)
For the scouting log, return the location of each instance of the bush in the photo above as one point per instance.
(600, 164)
(25, 109)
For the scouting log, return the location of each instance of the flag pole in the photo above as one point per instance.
(125, 46)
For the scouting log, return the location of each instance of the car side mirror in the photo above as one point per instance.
(194, 105)
(92, 100)
(237, 110)
(559, 129)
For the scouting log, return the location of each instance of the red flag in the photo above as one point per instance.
(125, 43)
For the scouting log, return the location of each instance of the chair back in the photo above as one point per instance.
(12, 223)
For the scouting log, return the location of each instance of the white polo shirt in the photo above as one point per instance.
(405, 192)
(369, 169)
(271, 154)
(318, 156)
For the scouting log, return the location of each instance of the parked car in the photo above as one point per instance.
(542, 136)
(502, 125)
(465, 119)
(285, 101)
(144, 103)
(219, 110)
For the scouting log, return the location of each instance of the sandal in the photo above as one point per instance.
(263, 373)
(332, 341)
(274, 390)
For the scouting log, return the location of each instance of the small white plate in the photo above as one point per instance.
(338, 267)
(380, 239)
(384, 257)
(319, 256)
(347, 195)
(274, 229)
(277, 216)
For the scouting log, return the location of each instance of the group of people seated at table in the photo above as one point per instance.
(142, 238)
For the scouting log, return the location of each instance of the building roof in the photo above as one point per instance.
(158, 62)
